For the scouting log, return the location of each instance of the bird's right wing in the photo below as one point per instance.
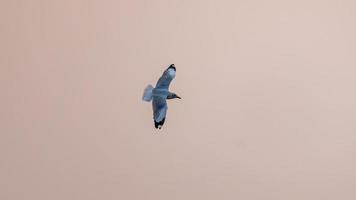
(159, 106)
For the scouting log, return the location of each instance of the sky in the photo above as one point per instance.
(267, 111)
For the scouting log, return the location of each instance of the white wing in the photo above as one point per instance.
(159, 106)
(166, 78)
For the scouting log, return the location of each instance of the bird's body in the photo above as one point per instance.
(159, 95)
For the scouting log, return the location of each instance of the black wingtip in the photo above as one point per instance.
(173, 67)
(159, 125)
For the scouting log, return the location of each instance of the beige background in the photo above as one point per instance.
(268, 108)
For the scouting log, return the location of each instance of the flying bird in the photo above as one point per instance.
(159, 95)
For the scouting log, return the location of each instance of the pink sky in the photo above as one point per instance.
(268, 109)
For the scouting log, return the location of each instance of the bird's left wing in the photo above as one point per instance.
(166, 78)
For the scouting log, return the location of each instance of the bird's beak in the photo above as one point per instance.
(179, 97)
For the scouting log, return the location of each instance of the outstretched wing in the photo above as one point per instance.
(166, 78)
(159, 106)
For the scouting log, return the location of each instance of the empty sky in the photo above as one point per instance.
(268, 108)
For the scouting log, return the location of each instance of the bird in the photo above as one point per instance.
(159, 95)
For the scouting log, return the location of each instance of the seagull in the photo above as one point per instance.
(159, 94)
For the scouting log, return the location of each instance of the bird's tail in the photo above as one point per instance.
(147, 93)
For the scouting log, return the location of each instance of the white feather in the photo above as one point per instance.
(171, 72)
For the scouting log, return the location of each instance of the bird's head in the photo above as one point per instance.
(173, 96)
